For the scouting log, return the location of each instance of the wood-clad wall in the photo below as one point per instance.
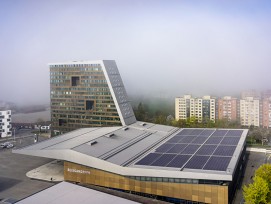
(194, 192)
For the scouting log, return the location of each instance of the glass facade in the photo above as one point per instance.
(80, 97)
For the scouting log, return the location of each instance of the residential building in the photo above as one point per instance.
(87, 94)
(250, 93)
(5, 123)
(249, 111)
(266, 110)
(227, 108)
(200, 108)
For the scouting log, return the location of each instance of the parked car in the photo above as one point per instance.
(6, 145)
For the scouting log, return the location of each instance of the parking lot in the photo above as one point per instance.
(13, 169)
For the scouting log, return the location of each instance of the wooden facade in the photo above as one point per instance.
(204, 193)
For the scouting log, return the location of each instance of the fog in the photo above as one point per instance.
(162, 48)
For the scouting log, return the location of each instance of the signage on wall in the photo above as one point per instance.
(78, 171)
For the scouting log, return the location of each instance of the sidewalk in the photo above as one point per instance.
(53, 171)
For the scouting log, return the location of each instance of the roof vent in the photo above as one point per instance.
(143, 124)
(110, 135)
(92, 143)
(125, 128)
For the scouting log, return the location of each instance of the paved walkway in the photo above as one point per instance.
(52, 171)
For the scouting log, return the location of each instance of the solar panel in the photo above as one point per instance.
(164, 147)
(217, 163)
(214, 140)
(206, 133)
(163, 160)
(225, 150)
(177, 148)
(175, 139)
(187, 139)
(197, 162)
(179, 161)
(185, 132)
(190, 149)
(219, 133)
(234, 133)
(206, 150)
(147, 160)
(230, 141)
(199, 140)
(196, 132)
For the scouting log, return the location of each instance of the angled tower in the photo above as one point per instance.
(88, 94)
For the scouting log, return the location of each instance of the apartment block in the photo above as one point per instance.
(87, 94)
(249, 111)
(266, 110)
(227, 108)
(5, 123)
(201, 108)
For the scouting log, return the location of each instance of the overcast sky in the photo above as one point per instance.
(164, 47)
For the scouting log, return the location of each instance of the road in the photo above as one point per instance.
(13, 169)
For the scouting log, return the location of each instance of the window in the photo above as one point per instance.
(62, 122)
(75, 80)
(89, 105)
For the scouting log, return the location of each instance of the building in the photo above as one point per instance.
(200, 108)
(266, 110)
(5, 123)
(162, 162)
(227, 108)
(157, 161)
(87, 94)
(250, 112)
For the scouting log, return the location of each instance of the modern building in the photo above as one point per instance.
(250, 111)
(157, 161)
(200, 108)
(266, 110)
(5, 123)
(162, 162)
(87, 94)
(227, 108)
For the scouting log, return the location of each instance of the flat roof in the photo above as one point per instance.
(65, 192)
(147, 149)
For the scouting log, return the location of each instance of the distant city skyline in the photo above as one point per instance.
(167, 48)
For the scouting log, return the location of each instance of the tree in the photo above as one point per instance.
(264, 171)
(256, 192)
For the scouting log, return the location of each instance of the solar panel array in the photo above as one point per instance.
(195, 149)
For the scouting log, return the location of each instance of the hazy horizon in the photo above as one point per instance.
(166, 48)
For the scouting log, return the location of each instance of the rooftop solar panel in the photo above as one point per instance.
(185, 132)
(206, 132)
(196, 132)
(214, 140)
(163, 160)
(175, 139)
(179, 161)
(147, 160)
(217, 163)
(224, 150)
(164, 147)
(190, 149)
(234, 133)
(220, 133)
(230, 141)
(199, 140)
(197, 162)
(187, 139)
(177, 148)
(206, 150)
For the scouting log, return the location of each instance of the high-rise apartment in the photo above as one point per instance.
(5, 126)
(227, 108)
(87, 94)
(266, 110)
(200, 108)
(249, 111)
